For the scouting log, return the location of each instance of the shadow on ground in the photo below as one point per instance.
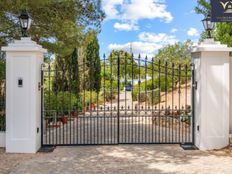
(122, 159)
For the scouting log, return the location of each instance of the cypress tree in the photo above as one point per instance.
(75, 77)
(94, 65)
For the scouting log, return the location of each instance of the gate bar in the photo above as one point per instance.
(118, 98)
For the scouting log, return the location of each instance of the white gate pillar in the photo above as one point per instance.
(211, 61)
(230, 95)
(23, 96)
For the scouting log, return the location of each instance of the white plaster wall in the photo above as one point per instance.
(2, 139)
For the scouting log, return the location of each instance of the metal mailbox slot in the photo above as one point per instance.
(20, 82)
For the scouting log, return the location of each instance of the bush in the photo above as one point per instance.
(108, 95)
(164, 83)
(141, 89)
(89, 97)
(151, 96)
(111, 89)
(62, 102)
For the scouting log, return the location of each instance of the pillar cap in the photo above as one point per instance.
(24, 45)
(212, 46)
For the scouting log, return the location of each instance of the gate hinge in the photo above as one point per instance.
(195, 85)
(40, 86)
(42, 67)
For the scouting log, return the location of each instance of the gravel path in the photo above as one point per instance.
(123, 159)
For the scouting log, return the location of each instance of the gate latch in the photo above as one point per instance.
(195, 85)
(39, 86)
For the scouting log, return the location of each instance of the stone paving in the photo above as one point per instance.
(122, 159)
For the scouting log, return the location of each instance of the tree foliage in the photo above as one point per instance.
(222, 31)
(177, 53)
(203, 7)
(128, 65)
(57, 25)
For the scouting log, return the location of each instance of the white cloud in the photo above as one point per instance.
(146, 9)
(143, 48)
(110, 9)
(174, 30)
(131, 11)
(148, 44)
(193, 32)
(125, 26)
(148, 26)
(157, 38)
(190, 12)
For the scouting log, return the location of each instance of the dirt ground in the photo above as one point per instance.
(121, 159)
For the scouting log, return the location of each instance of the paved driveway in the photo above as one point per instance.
(122, 159)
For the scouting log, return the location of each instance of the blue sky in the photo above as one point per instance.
(148, 25)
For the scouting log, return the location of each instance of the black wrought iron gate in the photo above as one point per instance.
(125, 100)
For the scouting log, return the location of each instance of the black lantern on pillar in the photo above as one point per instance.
(25, 22)
(208, 25)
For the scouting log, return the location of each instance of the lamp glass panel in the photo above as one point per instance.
(29, 23)
(211, 25)
(205, 24)
(24, 23)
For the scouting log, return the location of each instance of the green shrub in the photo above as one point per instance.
(163, 83)
(88, 97)
(151, 96)
(108, 94)
(62, 101)
(110, 90)
(142, 88)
